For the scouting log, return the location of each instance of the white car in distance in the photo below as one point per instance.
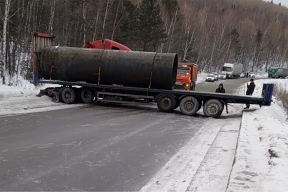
(251, 75)
(222, 76)
(210, 78)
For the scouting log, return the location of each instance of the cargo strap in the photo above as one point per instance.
(52, 67)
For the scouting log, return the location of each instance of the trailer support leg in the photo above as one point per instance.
(226, 108)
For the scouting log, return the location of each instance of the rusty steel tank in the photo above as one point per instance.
(127, 68)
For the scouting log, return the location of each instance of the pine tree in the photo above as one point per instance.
(143, 25)
(150, 25)
(236, 47)
(129, 27)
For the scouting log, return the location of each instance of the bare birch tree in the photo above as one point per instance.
(52, 14)
(4, 42)
(105, 17)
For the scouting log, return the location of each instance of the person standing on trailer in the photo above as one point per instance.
(250, 90)
(220, 89)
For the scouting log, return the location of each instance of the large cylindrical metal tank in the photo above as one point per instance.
(127, 68)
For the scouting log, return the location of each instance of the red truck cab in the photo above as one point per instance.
(106, 44)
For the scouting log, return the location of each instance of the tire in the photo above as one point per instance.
(189, 105)
(213, 108)
(166, 103)
(87, 95)
(55, 97)
(67, 95)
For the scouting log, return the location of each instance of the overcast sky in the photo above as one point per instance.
(283, 2)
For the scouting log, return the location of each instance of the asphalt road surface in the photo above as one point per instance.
(96, 147)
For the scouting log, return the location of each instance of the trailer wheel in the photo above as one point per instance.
(213, 108)
(189, 105)
(55, 97)
(87, 95)
(166, 103)
(67, 95)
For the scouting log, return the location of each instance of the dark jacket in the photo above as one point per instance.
(250, 88)
(218, 90)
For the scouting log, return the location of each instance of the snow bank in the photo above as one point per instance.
(22, 98)
(262, 75)
(201, 77)
(262, 154)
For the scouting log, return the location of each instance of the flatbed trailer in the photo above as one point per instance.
(167, 100)
(189, 102)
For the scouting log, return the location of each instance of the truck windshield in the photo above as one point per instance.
(182, 70)
(227, 69)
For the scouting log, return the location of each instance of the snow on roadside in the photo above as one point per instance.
(262, 154)
(201, 77)
(22, 98)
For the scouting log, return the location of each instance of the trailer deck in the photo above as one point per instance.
(123, 94)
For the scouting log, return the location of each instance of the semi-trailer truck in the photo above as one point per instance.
(232, 70)
(117, 76)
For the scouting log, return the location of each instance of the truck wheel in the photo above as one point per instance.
(67, 95)
(55, 97)
(166, 103)
(87, 95)
(189, 105)
(213, 108)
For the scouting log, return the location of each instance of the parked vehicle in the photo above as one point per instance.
(277, 72)
(186, 76)
(251, 75)
(232, 70)
(210, 78)
(116, 76)
(222, 76)
(243, 75)
(216, 76)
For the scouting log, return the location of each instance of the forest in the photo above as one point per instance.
(206, 32)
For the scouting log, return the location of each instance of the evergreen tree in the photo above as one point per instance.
(235, 45)
(150, 25)
(129, 27)
(143, 25)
